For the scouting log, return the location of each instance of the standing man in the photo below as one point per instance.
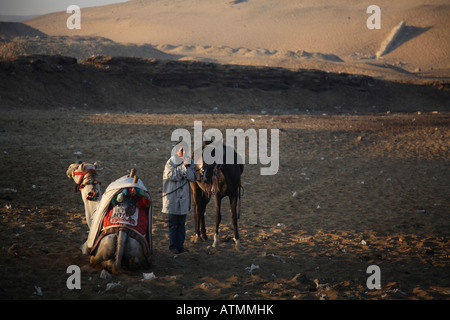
(177, 197)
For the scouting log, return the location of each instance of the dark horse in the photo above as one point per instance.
(221, 180)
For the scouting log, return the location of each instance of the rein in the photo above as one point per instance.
(173, 190)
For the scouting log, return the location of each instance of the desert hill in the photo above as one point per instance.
(18, 39)
(273, 33)
(11, 30)
(155, 86)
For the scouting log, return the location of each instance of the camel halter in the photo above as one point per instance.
(93, 195)
(82, 174)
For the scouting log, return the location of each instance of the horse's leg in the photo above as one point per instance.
(196, 220)
(218, 201)
(234, 218)
(202, 212)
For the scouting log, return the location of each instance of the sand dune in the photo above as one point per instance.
(197, 28)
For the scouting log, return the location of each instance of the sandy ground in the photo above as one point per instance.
(349, 194)
(364, 145)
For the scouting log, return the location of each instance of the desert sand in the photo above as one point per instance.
(339, 204)
(268, 32)
(364, 146)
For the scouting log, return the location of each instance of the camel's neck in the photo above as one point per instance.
(91, 195)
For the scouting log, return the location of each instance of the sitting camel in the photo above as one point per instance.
(120, 220)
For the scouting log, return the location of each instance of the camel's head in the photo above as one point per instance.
(78, 171)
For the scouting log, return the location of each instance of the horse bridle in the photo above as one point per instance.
(206, 168)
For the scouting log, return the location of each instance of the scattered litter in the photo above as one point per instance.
(318, 207)
(45, 249)
(33, 186)
(207, 285)
(13, 249)
(105, 275)
(78, 153)
(363, 242)
(418, 209)
(275, 256)
(8, 206)
(9, 190)
(148, 276)
(252, 268)
(281, 225)
(253, 120)
(112, 285)
(320, 285)
(38, 291)
(294, 194)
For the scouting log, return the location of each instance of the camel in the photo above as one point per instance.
(119, 221)
(220, 180)
(85, 177)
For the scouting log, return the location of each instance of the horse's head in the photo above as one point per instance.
(208, 171)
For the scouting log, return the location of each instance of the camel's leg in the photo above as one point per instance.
(218, 202)
(105, 251)
(134, 254)
(234, 218)
(120, 249)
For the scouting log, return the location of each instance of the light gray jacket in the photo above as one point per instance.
(177, 177)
